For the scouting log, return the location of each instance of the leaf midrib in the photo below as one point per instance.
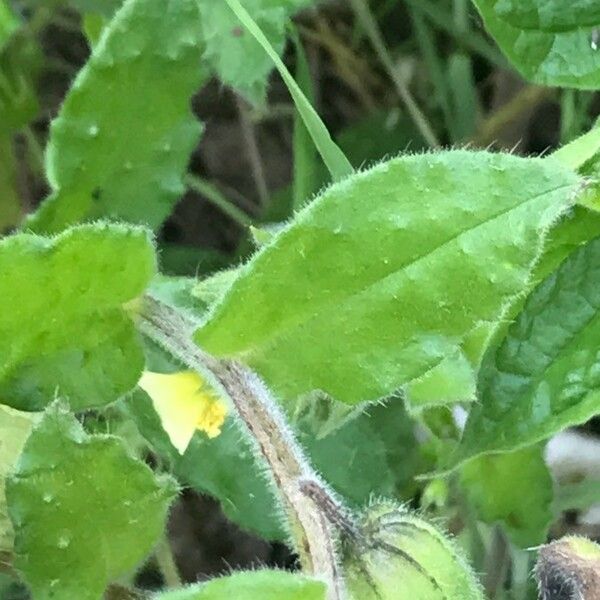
(326, 306)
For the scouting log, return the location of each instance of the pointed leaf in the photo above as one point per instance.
(545, 375)
(84, 511)
(62, 326)
(554, 43)
(388, 272)
(123, 138)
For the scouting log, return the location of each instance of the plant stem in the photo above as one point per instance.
(253, 152)
(166, 563)
(364, 15)
(312, 527)
(526, 99)
(215, 197)
(497, 563)
(35, 151)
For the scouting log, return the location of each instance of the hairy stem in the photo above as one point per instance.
(313, 530)
(166, 563)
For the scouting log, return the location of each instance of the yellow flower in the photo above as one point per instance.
(184, 404)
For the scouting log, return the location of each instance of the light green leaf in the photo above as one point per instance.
(253, 585)
(389, 272)
(453, 380)
(15, 427)
(123, 138)
(579, 151)
(62, 326)
(84, 511)
(545, 374)
(554, 43)
(514, 488)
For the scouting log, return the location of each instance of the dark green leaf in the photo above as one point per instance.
(554, 42)
(545, 375)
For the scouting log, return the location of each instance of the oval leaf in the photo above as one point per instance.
(383, 276)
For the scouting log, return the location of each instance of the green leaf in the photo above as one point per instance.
(84, 511)
(333, 157)
(106, 8)
(576, 496)
(233, 53)
(545, 374)
(253, 585)
(389, 272)
(553, 43)
(15, 428)
(21, 61)
(549, 15)
(62, 326)
(514, 488)
(227, 468)
(455, 378)
(9, 23)
(579, 151)
(123, 138)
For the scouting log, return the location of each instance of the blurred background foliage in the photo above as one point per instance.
(386, 76)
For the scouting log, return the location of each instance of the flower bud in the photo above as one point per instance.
(396, 555)
(569, 569)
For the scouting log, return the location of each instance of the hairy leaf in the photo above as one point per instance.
(455, 378)
(545, 374)
(123, 138)
(15, 427)
(253, 585)
(62, 326)
(84, 511)
(384, 275)
(514, 488)
(553, 42)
